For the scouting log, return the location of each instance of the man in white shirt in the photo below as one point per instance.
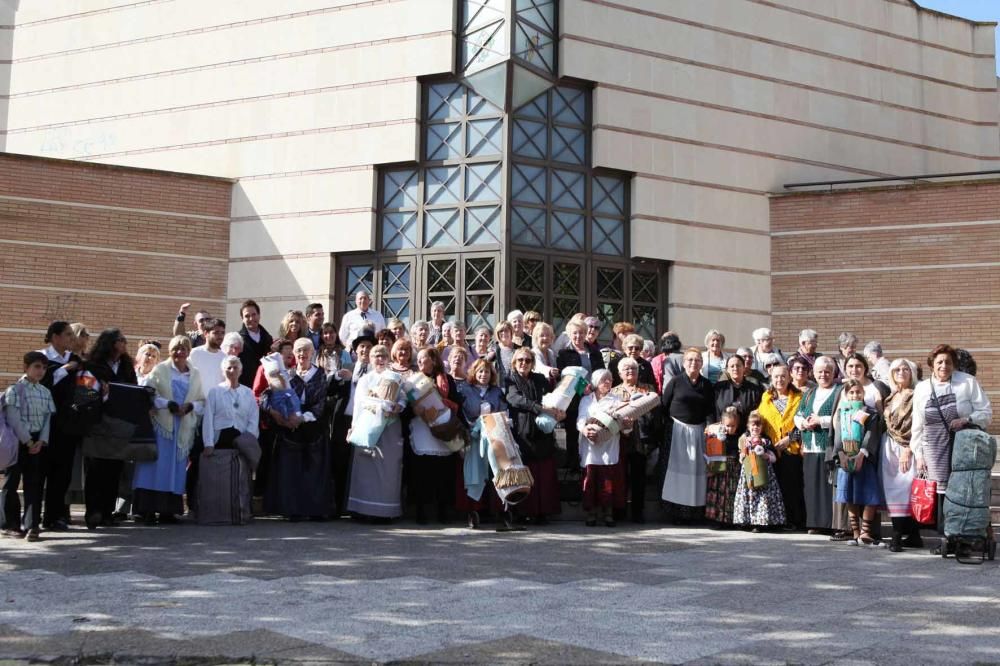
(359, 317)
(208, 358)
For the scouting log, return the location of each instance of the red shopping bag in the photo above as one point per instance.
(923, 500)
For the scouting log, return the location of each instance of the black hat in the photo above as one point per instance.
(364, 337)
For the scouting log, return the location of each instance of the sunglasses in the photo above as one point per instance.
(523, 360)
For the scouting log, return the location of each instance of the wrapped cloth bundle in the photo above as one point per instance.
(376, 410)
(715, 448)
(430, 406)
(636, 405)
(755, 463)
(572, 382)
(852, 419)
(511, 477)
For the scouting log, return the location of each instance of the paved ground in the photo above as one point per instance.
(341, 592)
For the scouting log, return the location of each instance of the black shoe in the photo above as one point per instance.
(12, 533)
(913, 541)
(610, 522)
(541, 520)
(896, 545)
(639, 518)
(59, 525)
(149, 518)
(591, 522)
(422, 516)
(93, 520)
(168, 519)
(473, 520)
(841, 536)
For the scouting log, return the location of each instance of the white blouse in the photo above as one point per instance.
(970, 400)
(227, 407)
(590, 453)
(544, 361)
(822, 395)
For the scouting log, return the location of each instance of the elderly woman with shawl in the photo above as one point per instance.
(158, 486)
(897, 466)
(299, 483)
(814, 419)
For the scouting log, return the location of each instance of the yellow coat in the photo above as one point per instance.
(777, 424)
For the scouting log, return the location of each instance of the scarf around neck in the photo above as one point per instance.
(899, 416)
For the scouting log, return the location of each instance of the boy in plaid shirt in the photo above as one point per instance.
(28, 408)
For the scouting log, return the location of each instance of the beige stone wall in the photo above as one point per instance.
(712, 103)
(715, 103)
(298, 100)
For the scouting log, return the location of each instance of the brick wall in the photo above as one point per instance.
(911, 266)
(106, 246)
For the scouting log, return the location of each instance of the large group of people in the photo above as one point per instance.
(366, 417)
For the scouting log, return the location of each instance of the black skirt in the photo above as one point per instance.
(817, 491)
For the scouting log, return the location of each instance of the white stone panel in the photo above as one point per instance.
(280, 277)
(687, 82)
(351, 107)
(258, 40)
(247, 81)
(378, 145)
(767, 23)
(669, 241)
(303, 193)
(733, 128)
(151, 20)
(761, 59)
(350, 232)
(695, 204)
(723, 289)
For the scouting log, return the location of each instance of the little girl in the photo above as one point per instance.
(856, 454)
(723, 475)
(760, 506)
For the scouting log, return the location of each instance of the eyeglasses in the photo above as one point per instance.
(594, 328)
(523, 360)
(634, 348)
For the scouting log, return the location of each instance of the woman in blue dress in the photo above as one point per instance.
(159, 485)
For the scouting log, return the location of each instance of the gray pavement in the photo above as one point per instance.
(339, 592)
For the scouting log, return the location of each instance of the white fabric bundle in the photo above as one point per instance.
(376, 409)
(610, 419)
(511, 477)
(571, 384)
(422, 391)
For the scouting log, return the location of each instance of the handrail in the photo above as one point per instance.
(858, 181)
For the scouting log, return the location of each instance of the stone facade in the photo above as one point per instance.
(710, 105)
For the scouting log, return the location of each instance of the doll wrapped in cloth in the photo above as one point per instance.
(852, 416)
(279, 395)
(715, 448)
(376, 411)
(442, 420)
(572, 382)
(511, 477)
(611, 420)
